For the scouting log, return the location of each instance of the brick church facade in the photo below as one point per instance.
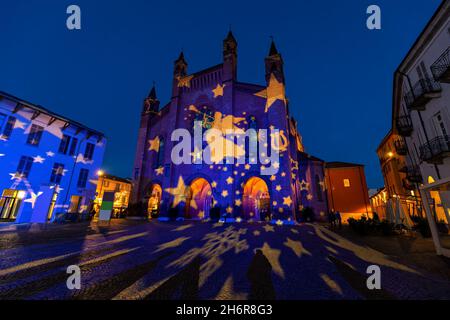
(215, 97)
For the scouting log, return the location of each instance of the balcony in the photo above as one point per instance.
(401, 147)
(435, 150)
(423, 91)
(404, 126)
(414, 175)
(441, 67)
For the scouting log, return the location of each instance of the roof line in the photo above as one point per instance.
(50, 113)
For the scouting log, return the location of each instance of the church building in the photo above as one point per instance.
(219, 100)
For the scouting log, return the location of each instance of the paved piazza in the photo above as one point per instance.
(199, 260)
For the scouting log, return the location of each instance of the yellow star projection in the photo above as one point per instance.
(287, 201)
(230, 180)
(218, 91)
(179, 192)
(184, 81)
(275, 91)
(154, 144)
(159, 171)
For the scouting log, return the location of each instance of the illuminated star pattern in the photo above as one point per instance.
(33, 198)
(287, 201)
(38, 159)
(178, 193)
(275, 91)
(297, 247)
(154, 144)
(184, 81)
(218, 91)
(159, 171)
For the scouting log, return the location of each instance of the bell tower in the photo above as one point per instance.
(274, 64)
(229, 58)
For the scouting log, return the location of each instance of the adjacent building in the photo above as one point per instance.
(347, 190)
(217, 99)
(119, 186)
(415, 155)
(48, 163)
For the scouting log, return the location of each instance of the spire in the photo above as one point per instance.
(230, 37)
(273, 49)
(152, 94)
(181, 57)
(180, 68)
(230, 57)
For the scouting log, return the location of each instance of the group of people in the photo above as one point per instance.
(334, 219)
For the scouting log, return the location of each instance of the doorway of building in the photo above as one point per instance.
(10, 203)
(198, 199)
(256, 199)
(154, 202)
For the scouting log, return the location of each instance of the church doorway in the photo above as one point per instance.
(154, 202)
(256, 199)
(198, 199)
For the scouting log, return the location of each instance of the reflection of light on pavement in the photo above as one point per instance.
(365, 253)
(182, 228)
(227, 291)
(124, 238)
(172, 244)
(108, 256)
(297, 247)
(273, 255)
(217, 243)
(331, 284)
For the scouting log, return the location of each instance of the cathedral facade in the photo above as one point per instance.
(216, 99)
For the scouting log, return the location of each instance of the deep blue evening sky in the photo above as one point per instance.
(338, 73)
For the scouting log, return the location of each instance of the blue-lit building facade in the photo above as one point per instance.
(48, 163)
(216, 98)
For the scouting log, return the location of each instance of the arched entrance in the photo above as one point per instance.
(154, 202)
(198, 199)
(256, 199)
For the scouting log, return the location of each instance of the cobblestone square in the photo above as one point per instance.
(200, 260)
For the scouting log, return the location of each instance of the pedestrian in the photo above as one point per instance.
(339, 219)
(331, 217)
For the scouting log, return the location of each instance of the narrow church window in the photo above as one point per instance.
(160, 159)
(347, 183)
(318, 188)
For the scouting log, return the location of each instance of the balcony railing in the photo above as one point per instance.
(401, 147)
(404, 126)
(435, 150)
(423, 91)
(441, 67)
(414, 175)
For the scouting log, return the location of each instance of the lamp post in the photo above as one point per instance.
(100, 174)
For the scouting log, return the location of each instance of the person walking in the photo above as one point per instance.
(339, 219)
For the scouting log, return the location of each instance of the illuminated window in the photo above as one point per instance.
(347, 183)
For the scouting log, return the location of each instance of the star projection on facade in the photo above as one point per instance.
(33, 198)
(214, 184)
(19, 125)
(297, 247)
(237, 202)
(224, 193)
(287, 201)
(230, 180)
(278, 188)
(50, 154)
(218, 91)
(159, 171)
(229, 209)
(178, 193)
(154, 144)
(304, 185)
(309, 196)
(38, 159)
(273, 178)
(275, 91)
(184, 81)
(15, 176)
